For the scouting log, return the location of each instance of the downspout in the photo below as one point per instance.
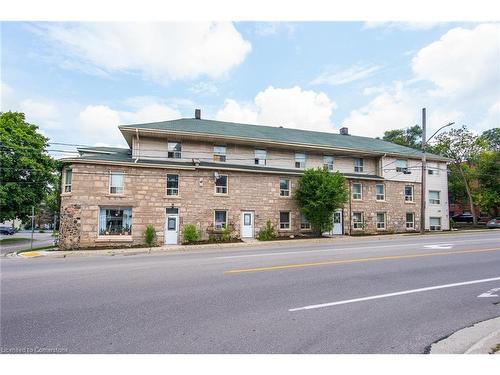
(138, 146)
(350, 208)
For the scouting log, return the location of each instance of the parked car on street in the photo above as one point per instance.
(466, 217)
(7, 230)
(493, 223)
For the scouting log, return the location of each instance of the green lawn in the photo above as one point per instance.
(6, 241)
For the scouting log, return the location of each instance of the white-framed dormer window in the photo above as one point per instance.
(358, 165)
(116, 180)
(300, 160)
(284, 187)
(434, 197)
(284, 219)
(380, 220)
(221, 184)
(408, 193)
(304, 223)
(68, 177)
(401, 165)
(357, 191)
(380, 192)
(357, 220)
(328, 162)
(174, 150)
(260, 156)
(410, 220)
(172, 184)
(219, 153)
(220, 219)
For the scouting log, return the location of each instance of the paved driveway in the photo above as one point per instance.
(39, 240)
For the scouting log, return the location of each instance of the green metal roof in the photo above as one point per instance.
(281, 134)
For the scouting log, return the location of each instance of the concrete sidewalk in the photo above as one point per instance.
(481, 338)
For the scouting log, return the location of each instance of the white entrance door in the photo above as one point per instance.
(247, 224)
(337, 222)
(171, 229)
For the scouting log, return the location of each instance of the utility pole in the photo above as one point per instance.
(423, 179)
(32, 225)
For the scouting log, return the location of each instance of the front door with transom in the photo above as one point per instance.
(337, 222)
(247, 224)
(171, 226)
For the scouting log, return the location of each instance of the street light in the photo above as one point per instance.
(424, 167)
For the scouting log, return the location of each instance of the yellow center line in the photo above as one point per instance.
(357, 260)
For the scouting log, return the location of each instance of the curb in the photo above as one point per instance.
(479, 338)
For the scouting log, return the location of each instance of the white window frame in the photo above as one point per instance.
(220, 153)
(223, 224)
(285, 193)
(171, 152)
(105, 208)
(328, 162)
(433, 171)
(283, 225)
(173, 192)
(432, 200)
(434, 227)
(378, 195)
(304, 223)
(401, 165)
(410, 224)
(358, 165)
(220, 189)
(358, 225)
(68, 186)
(300, 160)
(381, 225)
(111, 173)
(409, 196)
(355, 195)
(258, 159)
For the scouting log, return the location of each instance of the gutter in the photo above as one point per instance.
(138, 146)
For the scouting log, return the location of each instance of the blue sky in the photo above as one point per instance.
(78, 81)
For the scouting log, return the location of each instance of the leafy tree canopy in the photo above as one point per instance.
(410, 137)
(492, 139)
(27, 172)
(318, 195)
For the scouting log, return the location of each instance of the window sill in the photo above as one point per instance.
(284, 230)
(285, 196)
(116, 195)
(381, 200)
(221, 195)
(113, 238)
(409, 202)
(172, 197)
(66, 194)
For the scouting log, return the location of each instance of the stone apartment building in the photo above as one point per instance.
(217, 174)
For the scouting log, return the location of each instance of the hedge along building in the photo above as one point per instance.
(217, 174)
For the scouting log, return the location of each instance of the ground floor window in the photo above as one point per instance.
(172, 184)
(435, 223)
(304, 223)
(380, 220)
(410, 220)
(357, 220)
(284, 220)
(220, 219)
(115, 221)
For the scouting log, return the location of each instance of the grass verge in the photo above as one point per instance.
(6, 241)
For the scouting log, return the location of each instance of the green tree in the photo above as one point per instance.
(319, 193)
(492, 139)
(150, 236)
(462, 147)
(410, 137)
(487, 172)
(27, 172)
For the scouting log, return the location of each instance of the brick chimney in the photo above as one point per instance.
(197, 114)
(344, 131)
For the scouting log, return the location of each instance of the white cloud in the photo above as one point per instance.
(339, 77)
(204, 88)
(158, 51)
(6, 97)
(462, 62)
(292, 107)
(44, 114)
(491, 119)
(405, 26)
(272, 28)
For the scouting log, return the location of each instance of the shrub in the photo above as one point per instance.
(268, 233)
(150, 236)
(190, 233)
(225, 234)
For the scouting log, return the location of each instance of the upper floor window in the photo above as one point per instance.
(358, 165)
(380, 192)
(300, 160)
(434, 197)
(328, 162)
(284, 187)
(357, 191)
(221, 184)
(116, 182)
(219, 153)
(260, 156)
(172, 184)
(401, 165)
(68, 176)
(433, 171)
(174, 150)
(408, 193)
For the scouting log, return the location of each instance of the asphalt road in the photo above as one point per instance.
(239, 300)
(39, 240)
